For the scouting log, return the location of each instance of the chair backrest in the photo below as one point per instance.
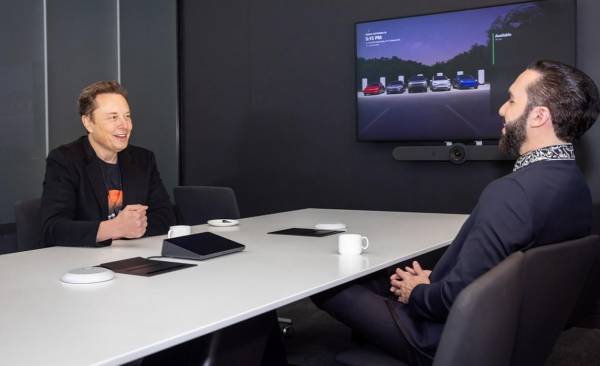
(482, 324)
(28, 217)
(553, 276)
(198, 204)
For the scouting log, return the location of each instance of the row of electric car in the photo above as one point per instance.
(419, 83)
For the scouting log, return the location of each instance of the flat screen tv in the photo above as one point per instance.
(443, 77)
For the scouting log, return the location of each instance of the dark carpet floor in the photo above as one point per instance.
(318, 338)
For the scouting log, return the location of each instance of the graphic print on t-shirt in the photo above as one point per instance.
(111, 175)
(115, 202)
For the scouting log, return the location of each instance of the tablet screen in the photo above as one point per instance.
(205, 244)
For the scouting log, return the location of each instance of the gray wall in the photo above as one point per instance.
(87, 41)
(268, 109)
(149, 71)
(22, 106)
(588, 59)
(81, 49)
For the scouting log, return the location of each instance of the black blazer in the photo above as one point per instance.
(74, 201)
(543, 203)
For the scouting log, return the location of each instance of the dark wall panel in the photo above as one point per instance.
(149, 72)
(215, 88)
(82, 48)
(588, 59)
(22, 114)
(279, 125)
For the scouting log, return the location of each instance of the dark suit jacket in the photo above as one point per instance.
(543, 203)
(74, 201)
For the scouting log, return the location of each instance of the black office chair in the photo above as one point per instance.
(481, 326)
(197, 204)
(553, 276)
(8, 238)
(28, 217)
(587, 313)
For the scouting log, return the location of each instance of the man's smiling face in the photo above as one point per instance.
(109, 124)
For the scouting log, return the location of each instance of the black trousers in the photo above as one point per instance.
(255, 341)
(362, 306)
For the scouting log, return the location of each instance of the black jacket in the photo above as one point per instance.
(543, 203)
(74, 201)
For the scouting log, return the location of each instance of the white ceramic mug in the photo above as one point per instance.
(352, 243)
(179, 230)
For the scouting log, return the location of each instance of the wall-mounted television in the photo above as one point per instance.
(443, 77)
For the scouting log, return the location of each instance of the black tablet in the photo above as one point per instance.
(306, 232)
(199, 246)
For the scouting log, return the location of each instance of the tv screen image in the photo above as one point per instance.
(443, 77)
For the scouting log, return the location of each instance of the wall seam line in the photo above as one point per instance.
(46, 113)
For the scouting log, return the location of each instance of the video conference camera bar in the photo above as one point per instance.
(456, 153)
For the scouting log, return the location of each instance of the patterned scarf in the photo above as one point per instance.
(553, 152)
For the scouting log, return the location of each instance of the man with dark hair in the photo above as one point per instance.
(545, 200)
(99, 188)
(567, 95)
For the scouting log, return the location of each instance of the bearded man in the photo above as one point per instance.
(544, 200)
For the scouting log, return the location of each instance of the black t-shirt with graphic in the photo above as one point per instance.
(111, 175)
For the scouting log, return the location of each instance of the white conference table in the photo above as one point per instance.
(46, 322)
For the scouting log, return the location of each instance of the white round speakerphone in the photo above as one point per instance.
(88, 275)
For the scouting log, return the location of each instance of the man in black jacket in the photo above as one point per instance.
(99, 188)
(545, 200)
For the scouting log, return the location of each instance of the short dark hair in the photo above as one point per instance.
(569, 94)
(87, 98)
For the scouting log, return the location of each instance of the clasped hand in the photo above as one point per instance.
(132, 221)
(402, 282)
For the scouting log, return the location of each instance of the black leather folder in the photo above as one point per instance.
(144, 267)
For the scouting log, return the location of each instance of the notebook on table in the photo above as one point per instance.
(144, 267)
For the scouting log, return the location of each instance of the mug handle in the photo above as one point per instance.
(366, 240)
(169, 233)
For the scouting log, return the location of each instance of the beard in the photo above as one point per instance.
(514, 134)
